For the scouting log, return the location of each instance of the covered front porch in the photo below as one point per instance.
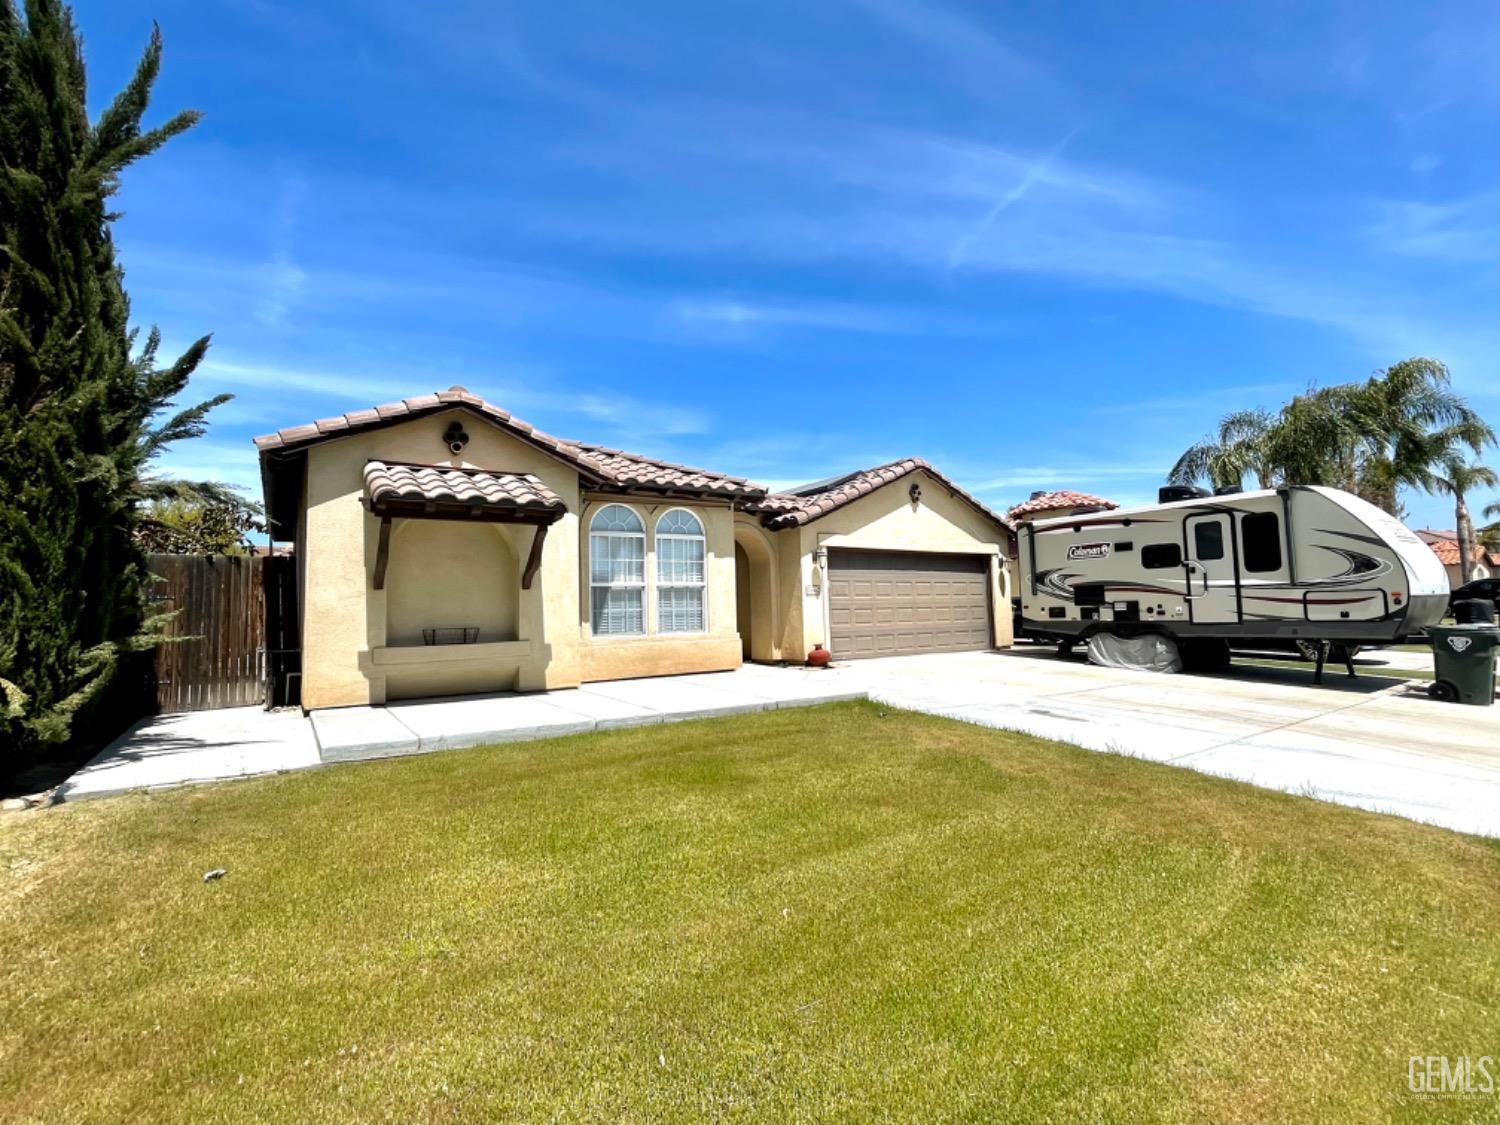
(456, 605)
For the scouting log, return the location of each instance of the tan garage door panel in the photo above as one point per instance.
(890, 603)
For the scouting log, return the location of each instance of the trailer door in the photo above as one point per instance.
(1213, 576)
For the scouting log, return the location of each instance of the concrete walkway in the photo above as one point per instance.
(350, 733)
(220, 745)
(197, 746)
(1374, 742)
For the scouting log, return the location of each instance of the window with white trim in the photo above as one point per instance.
(617, 572)
(681, 584)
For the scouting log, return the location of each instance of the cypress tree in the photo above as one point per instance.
(84, 404)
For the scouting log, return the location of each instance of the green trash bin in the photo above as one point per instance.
(1463, 658)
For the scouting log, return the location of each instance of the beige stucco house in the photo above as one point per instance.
(445, 547)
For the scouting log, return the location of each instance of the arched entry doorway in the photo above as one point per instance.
(755, 593)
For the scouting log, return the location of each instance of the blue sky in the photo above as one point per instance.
(1040, 245)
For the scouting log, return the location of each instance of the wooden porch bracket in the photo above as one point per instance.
(383, 552)
(534, 560)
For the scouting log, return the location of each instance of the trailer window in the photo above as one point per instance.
(1159, 556)
(1208, 541)
(1260, 534)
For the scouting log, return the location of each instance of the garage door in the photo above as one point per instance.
(891, 603)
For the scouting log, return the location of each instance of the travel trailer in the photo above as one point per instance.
(1287, 564)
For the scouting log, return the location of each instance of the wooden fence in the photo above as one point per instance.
(220, 602)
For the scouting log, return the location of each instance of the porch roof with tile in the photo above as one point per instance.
(403, 489)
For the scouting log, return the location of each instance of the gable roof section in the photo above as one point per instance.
(781, 510)
(599, 467)
(391, 413)
(1061, 499)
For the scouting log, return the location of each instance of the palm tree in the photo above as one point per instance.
(1490, 534)
(1395, 430)
(1458, 477)
(1406, 424)
(1241, 447)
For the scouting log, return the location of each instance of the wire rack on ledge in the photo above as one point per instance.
(453, 635)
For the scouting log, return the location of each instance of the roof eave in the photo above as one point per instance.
(520, 433)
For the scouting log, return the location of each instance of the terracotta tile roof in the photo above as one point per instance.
(792, 509)
(1444, 545)
(646, 472)
(601, 467)
(445, 486)
(1062, 499)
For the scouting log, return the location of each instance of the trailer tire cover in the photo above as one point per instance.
(1151, 653)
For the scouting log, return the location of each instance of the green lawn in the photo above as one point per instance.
(798, 914)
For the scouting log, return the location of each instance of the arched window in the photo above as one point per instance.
(617, 572)
(680, 578)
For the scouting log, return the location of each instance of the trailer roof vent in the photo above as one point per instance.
(1085, 509)
(1227, 490)
(1169, 493)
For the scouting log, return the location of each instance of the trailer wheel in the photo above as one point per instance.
(1443, 691)
(1064, 648)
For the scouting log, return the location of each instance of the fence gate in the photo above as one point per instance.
(220, 601)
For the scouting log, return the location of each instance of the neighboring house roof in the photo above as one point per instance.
(810, 502)
(1444, 545)
(1049, 501)
(443, 488)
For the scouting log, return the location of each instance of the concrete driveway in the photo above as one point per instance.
(1375, 743)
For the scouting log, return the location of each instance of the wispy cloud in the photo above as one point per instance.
(229, 462)
(745, 315)
(540, 394)
(627, 414)
(1461, 231)
(1197, 403)
(1033, 174)
(1077, 475)
(957, 39)
(283, 281)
